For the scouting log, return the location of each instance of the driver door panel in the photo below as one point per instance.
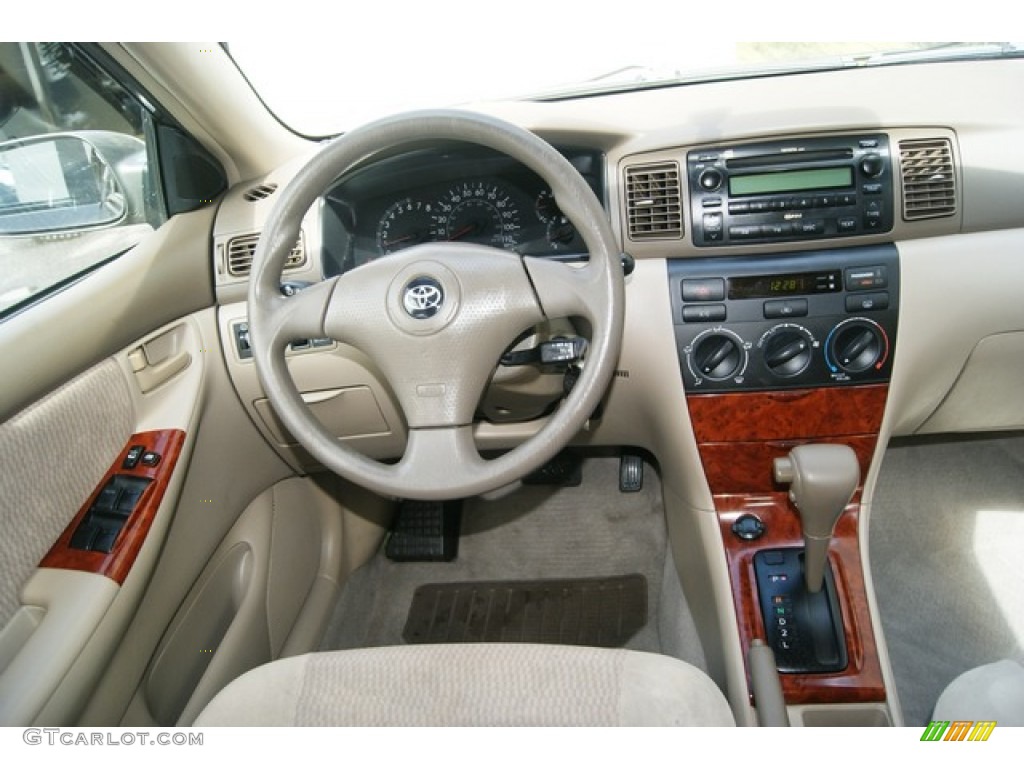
(64, 609)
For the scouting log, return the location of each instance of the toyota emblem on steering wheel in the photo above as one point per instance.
(423, 298)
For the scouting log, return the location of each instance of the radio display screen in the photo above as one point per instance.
(791, 181)
(767, 286)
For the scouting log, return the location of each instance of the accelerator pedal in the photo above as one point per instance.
(631, 473)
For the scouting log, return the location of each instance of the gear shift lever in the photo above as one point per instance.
(822, 480)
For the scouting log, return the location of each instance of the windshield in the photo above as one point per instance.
(450, 54)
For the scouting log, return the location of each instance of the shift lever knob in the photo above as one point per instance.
(822, 479)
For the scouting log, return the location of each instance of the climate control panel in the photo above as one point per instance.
(824, 318)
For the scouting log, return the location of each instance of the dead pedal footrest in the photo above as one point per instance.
(425, 531)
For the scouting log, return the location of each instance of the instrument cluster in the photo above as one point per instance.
(456, 193)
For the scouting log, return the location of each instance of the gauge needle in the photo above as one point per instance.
(466, 230)
(417, 236)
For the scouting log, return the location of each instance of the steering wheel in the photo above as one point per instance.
(436, 317)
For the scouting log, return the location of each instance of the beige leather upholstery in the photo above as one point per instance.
(468, 685)
(990, 692)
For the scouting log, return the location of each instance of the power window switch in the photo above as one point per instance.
(105, 541)
(107, 498)
(150, 458)
(83, 537)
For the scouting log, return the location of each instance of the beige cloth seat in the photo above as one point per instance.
(990, 692)
(465, 685)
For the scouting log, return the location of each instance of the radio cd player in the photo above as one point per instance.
(800, 189)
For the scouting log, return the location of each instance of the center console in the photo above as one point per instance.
(778, 352)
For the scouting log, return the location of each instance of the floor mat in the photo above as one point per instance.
(603, 612)
(536, 533)
(946, 527)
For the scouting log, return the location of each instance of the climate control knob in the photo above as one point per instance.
(856, 345)
(787, 350)
(717, 355)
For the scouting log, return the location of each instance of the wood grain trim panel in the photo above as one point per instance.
(739, 436)
(117, 563)
(862, 680)
(746, 467)
(788, 415)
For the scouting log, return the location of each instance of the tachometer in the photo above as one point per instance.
(404, 224)
(478, 212)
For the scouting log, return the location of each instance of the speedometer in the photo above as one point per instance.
(477, 212)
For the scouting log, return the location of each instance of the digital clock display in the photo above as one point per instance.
(796, 284)
(791, 181)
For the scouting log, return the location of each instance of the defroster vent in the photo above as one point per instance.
(654, 201)
(241, 250)
(929, 181)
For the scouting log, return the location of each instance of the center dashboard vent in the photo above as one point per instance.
(241, 249)
(260, 192)
(929, 182)
(654, 201)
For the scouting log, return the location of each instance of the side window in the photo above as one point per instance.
(76, 183)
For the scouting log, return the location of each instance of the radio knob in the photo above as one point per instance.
(872, 165)
(856, 345)
(710, 179)
(717, 357)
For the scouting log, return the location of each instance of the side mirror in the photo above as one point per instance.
(70, 182)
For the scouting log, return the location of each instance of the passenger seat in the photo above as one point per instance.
(990, 692)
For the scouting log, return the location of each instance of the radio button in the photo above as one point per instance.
(846, 200)
(873, 188)
(738, 207)
(815, 227)
(866, 278)
(713, 226)
(825, 201)
(707, 289)
(744, 232)
(867, 302)
(779, 205)
(872, 220)
(704, 313)
(711, 202)
(846, 224)
(760, 205)
(801, 202)
(776, 230)
(778, 308)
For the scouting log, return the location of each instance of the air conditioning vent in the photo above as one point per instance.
(241, 250)
(260, 192)
(654, 201)
(929, 184)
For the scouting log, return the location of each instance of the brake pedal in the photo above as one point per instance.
(425, 531)
(565, 470)
(631, 473)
